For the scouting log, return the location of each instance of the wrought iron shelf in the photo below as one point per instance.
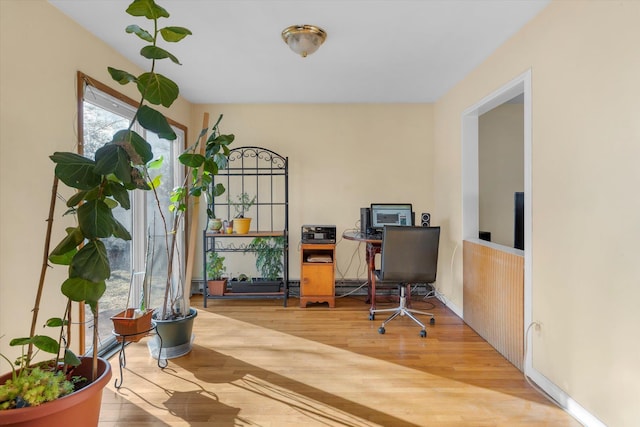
(264, 174)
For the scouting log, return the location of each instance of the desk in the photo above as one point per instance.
(374, 245)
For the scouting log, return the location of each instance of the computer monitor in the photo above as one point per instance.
(390, 214)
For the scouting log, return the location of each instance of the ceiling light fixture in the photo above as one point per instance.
(304, 39)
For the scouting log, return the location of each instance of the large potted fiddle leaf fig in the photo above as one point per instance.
(174, 322)
(102, 184)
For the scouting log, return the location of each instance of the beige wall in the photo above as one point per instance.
(501, 169)
(586, 133)
(341, 158)
(41, 51)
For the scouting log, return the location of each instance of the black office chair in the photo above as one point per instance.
(409, 256)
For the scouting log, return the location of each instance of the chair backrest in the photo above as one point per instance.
(410, 254)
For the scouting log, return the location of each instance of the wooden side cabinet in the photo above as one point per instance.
(317, 274)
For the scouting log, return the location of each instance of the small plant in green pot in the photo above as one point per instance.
(216, 283)
(214, 224)
(241, 205)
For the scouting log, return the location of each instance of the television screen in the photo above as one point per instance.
(518, 235)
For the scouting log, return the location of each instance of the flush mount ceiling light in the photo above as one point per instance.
(304, 39)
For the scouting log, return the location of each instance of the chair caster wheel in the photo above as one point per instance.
(381, 330)
(372, 316)
(432, 321)
(423, 333)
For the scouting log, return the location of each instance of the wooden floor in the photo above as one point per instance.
(256, 363)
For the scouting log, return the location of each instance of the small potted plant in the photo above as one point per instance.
(216, 283)
(241, 205)
(214, 224)
(269, 262)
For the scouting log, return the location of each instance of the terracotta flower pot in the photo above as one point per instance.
(130, 328)
(217, 287)
(78, 409)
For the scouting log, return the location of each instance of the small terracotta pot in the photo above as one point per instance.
(217, 287)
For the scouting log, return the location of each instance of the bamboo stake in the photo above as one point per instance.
(193, 219)
(45, 264)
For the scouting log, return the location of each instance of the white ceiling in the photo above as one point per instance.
(377, 51)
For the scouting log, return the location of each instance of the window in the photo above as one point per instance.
(103, 112)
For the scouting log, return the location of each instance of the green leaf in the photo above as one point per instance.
(43, 342)
(206, 179)
(142, 151)
(79, 289)
(92, 262)
(156, 163)
(46, 343)
(55, 322)
(177, 194)
(157, 181)
(69, 243)
(174, 34)
(154, 121)
(19, 341)
(63, 259)
(221, 160)
(157, 89)
(218, 190)
(210, 166)
(92, 194)
(70, 358)
(120, 76)
(191, 160)
(95, 219)
(76, 198)
(111, 204)
(113, 159)
(155, 52)
(147, 8)
(75, 170)
(221, 139)
(120, 193)
(120, 231)
(140, 32)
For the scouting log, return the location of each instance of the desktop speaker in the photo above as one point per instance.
(365, 219)
(425, 219)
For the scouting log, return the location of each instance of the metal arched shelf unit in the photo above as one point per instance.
(263, 174)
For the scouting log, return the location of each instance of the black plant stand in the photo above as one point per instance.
(122, 358)
(264, 174)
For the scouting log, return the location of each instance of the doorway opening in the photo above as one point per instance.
(518, 88)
